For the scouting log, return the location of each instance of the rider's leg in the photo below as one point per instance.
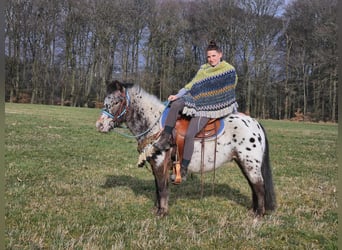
(195, 126)
(165, 138)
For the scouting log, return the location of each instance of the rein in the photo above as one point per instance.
(123, 110)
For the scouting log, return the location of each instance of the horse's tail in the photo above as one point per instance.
(270, 197)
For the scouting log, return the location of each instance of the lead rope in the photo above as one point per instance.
(202, 166)
(215, 148)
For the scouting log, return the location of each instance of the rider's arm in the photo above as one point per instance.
(181, 92)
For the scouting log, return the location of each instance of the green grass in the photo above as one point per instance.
(70, 187)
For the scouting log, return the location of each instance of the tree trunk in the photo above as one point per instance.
(334, 99)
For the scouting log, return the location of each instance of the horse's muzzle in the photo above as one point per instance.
(104, 124)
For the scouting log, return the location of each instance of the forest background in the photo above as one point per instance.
(64, 52)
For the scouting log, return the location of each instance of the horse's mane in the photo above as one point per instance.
(152, 99)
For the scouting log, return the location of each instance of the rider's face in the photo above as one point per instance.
(214, 57)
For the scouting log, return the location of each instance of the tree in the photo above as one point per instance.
(312, 34)
(65, 51)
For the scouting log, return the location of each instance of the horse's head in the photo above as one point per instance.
(114, 107)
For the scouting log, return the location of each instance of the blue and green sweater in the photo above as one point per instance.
(211, 93)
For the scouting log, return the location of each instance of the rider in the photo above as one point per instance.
(210, 94)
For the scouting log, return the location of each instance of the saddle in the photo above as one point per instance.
(210, 130)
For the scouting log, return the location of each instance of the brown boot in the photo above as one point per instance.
(164, 141)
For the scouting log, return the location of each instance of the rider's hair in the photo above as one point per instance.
(212, 46)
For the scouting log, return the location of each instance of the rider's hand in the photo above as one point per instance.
(172, 98)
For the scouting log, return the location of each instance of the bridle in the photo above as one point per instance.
(122, 110)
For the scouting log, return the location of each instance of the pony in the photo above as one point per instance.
(243, 140)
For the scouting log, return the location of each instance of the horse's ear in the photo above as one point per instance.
(128, 84)
(114, 86)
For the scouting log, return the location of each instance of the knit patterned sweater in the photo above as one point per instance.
(211, 93)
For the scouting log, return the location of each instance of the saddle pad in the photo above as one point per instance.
(166, 111)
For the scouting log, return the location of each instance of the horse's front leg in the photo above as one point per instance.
(160, 170)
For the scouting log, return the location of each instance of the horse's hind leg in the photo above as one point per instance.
(256, 183)
(258, 196)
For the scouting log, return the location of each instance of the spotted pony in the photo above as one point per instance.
(243, 140)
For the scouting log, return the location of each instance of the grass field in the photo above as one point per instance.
(70, 187)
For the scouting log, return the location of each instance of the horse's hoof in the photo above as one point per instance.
(161, 213)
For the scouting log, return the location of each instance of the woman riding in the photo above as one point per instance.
(210, 94)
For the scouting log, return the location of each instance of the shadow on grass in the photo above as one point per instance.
(191, 189)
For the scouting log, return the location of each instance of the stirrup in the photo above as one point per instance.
(177, 173)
